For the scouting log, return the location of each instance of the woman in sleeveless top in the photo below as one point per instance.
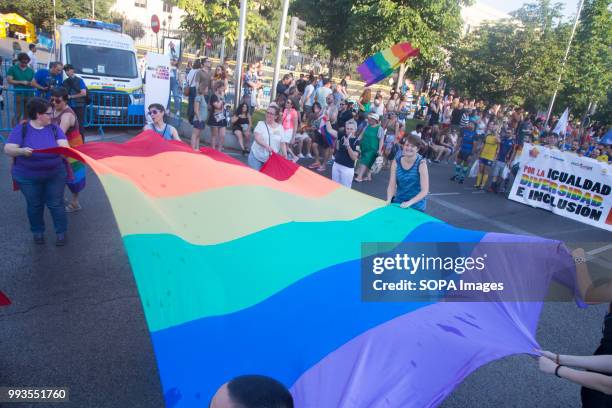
(66, 119)
(241, 126)
(409, 178)
(166, 131)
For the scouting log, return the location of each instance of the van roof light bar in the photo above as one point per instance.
(100, 25)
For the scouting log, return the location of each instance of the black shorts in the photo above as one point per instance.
(320, 140)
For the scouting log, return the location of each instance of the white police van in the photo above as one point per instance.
(106, 60)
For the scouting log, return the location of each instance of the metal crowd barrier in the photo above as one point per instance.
(13, 109)
(115, 109)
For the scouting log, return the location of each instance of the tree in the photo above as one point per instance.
(221, 18)
(588, 75)
(329, 21)
(40, 12)
(431, 26)
(515, 61)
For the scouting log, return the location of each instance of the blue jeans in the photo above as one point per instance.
(175, 96)
(48, 191)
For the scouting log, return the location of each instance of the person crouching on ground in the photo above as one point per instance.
(168, 132)
(409, 177)
(40, 176)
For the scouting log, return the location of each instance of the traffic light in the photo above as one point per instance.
(296, 32)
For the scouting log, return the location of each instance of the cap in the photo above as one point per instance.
(374, 116)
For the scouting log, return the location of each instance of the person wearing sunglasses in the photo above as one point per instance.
(267, 140)
(66, 119)
(168, 132)
(40, 176)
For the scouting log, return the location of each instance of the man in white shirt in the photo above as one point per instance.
(32, 54)
(308, 98)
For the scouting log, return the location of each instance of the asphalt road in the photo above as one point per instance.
(76, 319)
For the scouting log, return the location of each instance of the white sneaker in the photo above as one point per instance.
(309, 156)
(301, 156)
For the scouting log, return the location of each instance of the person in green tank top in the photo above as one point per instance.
(371, 145)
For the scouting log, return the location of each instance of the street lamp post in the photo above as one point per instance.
(279, 49)
(240, 52)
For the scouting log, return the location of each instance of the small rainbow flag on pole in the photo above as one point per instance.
(383, 63)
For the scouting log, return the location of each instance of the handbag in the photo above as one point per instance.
(378, 165)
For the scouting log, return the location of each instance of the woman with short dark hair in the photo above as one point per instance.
(40, 176)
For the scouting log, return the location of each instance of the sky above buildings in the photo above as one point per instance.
(569, 6)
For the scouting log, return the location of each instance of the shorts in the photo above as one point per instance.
(199, 124)
(287, 135)
(217, 121)
(320, 140)
(389, 140)
(301, 136)
(486, 162)
(464, 155)
(498, 168)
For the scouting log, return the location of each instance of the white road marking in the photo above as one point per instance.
(599, 250)
(469, 213)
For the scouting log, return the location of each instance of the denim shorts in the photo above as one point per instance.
(199, 124)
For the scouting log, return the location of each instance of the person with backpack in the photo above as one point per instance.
(77, 94)
(40, 176)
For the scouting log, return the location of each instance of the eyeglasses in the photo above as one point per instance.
(47, 113)
(153, 112)
(270, 113)
(56, 100)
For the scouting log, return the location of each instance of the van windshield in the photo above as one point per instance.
(110, 62)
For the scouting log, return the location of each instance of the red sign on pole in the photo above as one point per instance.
(155, 23)
(208, 43)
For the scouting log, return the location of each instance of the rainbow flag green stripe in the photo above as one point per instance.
(179, 282)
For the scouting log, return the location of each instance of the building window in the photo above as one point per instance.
(167, 7)
(140, 3)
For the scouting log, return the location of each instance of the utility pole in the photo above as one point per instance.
(240, 51)
(279, 49)
(93, 9)
(54, 21)
(567, 50)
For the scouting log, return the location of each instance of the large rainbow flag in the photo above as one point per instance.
(241, 272)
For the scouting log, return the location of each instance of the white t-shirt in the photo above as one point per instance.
(322, 94)
(272, 138)
(33, 60)
(309, 90)
(192, 79)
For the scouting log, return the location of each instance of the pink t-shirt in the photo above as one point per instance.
(289, 118)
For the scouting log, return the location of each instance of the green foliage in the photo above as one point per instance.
(221, 17)
(588, 76)
(40, 12)
(513, 61)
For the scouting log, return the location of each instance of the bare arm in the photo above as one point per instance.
(66, 123)
(36, 85)
(175, 135)
(12, 81)
(424, 178)
(13, 150)
(392, 186)
(595, 381)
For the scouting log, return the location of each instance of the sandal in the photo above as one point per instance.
(314, 165)
(71, 208)
(321, 169)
